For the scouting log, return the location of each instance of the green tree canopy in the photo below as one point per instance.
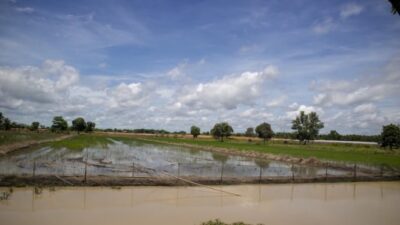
(390, 136)
(78, 124)
(221, 130)
(35, 126)
(334, 135)
(307, 126)
(264, 131)
(90, 126)
(195, 131)
(249, 132)
(59, 124)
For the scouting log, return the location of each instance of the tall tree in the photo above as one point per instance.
(249, 132)
(334, 135)
(390, 136)
(35, 126)
(307, 126)
(221, 130)
(264, 131)
(90, 126)
(195, 131)
(78, 124)
(395, 6)
(59, 124)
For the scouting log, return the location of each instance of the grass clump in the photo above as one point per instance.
(82, 141)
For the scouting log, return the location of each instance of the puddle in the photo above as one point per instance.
(340, 203)
(135, 158)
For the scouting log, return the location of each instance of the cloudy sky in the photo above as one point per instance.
(172, 64)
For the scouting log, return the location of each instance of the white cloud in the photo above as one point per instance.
(277, 101)
(36, 84)
(307, 109)
(350, 9)
(365, 108)
(366, 89)
(178, 71)
(25, 9)
(228, 92)
(324, 26)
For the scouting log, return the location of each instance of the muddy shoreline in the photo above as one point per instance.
(48, 180)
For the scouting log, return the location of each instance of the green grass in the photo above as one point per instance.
(11, 137)
(82, 141)
(372, 155)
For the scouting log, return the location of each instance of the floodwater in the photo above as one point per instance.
(134, 158)
(339, 203)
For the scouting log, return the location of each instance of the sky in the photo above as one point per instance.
(173, 64)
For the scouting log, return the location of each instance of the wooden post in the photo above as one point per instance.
(85, 171)
(34, 168)
(87, 156)
(133, 169)
(178, 172)
(222, 171)
(326, 172)
(259, 179)
(292, 172)
(355, 171)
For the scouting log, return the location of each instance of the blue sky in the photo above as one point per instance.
(171, 64)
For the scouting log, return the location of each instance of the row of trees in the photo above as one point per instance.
(7, 124)
(59, 124)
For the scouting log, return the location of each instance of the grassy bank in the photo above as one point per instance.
(11, 137)
(350, 153)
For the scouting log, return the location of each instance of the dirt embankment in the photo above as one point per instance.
(51, 180)
(4, 149)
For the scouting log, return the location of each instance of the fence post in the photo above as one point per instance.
(34, 168)
(355, 171)
(326, 172)
(179, 172)
(259, 179)
(292, 172)
(381, 171)
(222, 171)
(133, 169)
(87, 156)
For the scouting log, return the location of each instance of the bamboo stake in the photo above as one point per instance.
(202, 185)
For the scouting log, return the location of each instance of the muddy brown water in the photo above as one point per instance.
(366, 203)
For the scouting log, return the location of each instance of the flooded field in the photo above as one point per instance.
(340, 203)
(134, 158)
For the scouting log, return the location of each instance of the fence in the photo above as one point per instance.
(214, 171)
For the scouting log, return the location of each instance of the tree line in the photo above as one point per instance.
(306, 128)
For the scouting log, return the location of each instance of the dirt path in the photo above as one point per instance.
(4, 149)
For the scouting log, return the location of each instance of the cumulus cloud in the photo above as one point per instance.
(35, 84)
(228, 92)
(350, 9)
(359, 91)
(307, 109)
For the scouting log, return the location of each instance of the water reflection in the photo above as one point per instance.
(126, 157)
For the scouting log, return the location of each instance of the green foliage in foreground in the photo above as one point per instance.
(349, 153)
(82, 141)
(219, 222)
